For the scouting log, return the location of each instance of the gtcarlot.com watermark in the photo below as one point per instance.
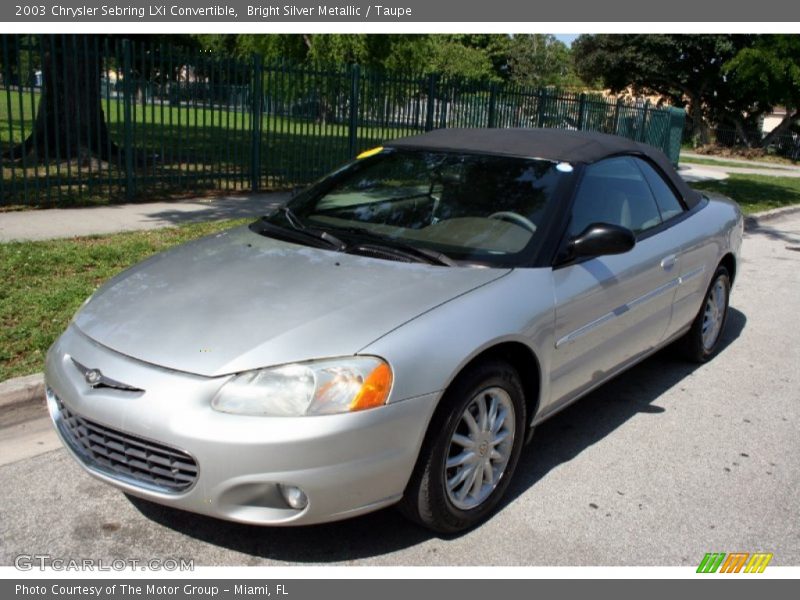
(29, 562)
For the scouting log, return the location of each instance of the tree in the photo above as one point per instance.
(70, 122)
(317, 50)
(541, 60)
(452, 58)
(686, 69)
(466, 56)
(494, 47)
(768, 72)
(70, 87)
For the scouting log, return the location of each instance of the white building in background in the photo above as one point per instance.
(772, 120)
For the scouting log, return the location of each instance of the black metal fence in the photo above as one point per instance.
(786, 144)
(91, 119)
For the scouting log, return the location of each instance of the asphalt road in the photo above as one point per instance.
(658, 467)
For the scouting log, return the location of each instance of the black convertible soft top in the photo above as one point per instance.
(551, 144)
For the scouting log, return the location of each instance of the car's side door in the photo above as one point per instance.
(697, 251)
(611, 309)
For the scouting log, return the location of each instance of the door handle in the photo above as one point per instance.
(668, 262)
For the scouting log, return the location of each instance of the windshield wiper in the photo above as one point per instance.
(400, 248)
(300, 230)
(293, 219)
(426, 254)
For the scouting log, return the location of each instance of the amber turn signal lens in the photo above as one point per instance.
(370, 152)
(375, 389)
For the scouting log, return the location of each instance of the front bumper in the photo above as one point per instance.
(346, 464)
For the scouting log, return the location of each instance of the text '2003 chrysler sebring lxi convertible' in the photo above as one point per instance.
(395, 332)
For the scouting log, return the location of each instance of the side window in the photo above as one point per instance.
(667, 201)
(614, 191)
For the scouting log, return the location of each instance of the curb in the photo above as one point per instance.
(756, 220)
(30, 388)
(22, 390)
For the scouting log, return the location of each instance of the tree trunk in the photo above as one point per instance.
(701, 130)
(70, 123)
(737, 123)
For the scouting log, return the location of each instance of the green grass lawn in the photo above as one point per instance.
(180, 150)
(185, 119)
(45, 282)
(755, 193)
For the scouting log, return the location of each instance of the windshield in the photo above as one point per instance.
(465, 207)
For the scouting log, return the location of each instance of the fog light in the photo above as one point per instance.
(294, 496)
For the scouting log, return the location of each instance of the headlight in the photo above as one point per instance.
(315, 388)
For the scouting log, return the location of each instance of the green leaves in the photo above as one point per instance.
(768, 71)
(536, 59)
(541, 60)
(721, 79)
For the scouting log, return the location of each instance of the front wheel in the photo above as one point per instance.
(471, 450)
(702, 340)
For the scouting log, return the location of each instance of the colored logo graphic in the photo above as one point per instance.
(735, 562)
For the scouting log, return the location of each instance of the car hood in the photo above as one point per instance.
(237, 300)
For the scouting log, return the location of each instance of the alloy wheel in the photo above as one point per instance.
(480, 448)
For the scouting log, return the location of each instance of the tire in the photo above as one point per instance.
(699, 344)
(434, 496)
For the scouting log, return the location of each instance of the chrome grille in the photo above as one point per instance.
(126, 457)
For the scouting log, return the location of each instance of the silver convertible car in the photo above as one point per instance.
(394, 333)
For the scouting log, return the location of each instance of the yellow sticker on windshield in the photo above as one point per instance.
(371, 152)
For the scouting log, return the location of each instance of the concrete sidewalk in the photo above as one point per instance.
(753, 164)
(55, 223)
(693, 173)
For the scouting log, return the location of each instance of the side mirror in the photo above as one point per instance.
(601, 239)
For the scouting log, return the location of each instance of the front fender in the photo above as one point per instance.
(428, 352)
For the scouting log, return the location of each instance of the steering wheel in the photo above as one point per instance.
(516, 218)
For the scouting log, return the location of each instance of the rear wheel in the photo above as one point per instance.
(702, 340)
(471, 450)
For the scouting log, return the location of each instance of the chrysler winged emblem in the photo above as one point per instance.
(93, 377)
(96, 379)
